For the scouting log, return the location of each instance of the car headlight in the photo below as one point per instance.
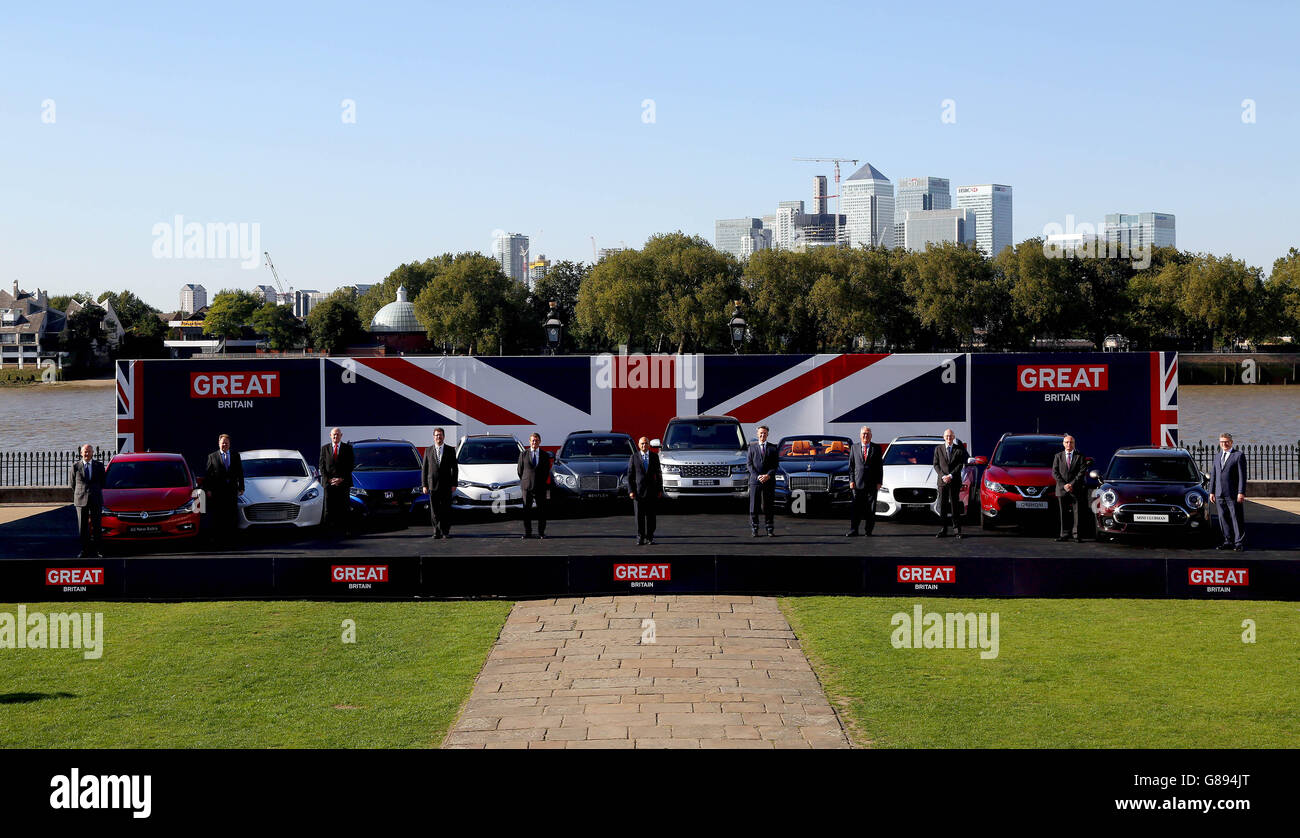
(671, 469)
(241, 500)
(310, 494)
(1109, 498)
(1194, 500)
(105, 512)
(740, 469)
(884, 490)
(994, 486)
(189, 507)
(780, 478)
(841, 478)
(357, 492)
(513, 483)
(567, 481)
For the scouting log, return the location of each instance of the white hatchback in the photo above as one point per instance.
(488, 469)
(279, 489)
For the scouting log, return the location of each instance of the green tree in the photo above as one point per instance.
(333, 324)
(282, 329)
(1225, 296)
(561, 285)
(1156, 320)
(414, 276)
(618, 302)
(1284, 288)
(695, 284)
(229, 311)
(83, 332)
(950, 290)
(471, 305)
(1044, 288)
(781, 311)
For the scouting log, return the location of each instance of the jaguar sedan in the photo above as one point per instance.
(1151, 490)
(280, 489)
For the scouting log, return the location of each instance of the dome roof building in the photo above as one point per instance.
(397, 316)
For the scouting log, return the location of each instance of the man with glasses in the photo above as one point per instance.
(1228, 489)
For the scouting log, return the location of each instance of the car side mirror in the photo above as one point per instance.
(1094, 474)
(655, 443)
(979, 461)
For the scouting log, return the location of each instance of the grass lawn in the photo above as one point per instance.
(1069, 674)
(250, 674)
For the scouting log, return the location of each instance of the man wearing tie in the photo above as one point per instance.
(335, 466)
(534, 478)
(866, 474)
(645, 483)
(440, 476)
(763, 463)
(1228, 489)
(1067, 468)
(949, 460)
(87, 479)
(223, 480)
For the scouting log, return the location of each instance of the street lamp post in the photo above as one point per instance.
(738, 328)
(553, 328)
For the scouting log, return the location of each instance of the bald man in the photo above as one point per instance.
(336, 460)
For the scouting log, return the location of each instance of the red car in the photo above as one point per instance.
(149, 497)
(1017, 486)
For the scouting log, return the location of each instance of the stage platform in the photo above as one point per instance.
(701, 552)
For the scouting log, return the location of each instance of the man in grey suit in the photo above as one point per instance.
(1071, 490)
(763, 461)
(440, 476)
(949, 460)
(534, 472)
(866, 474)
(1228, 489)
(87, 481)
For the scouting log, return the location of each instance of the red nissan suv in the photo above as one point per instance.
(1017, 486)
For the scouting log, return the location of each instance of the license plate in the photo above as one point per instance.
(706, 482)
(1031, 504)
(599, 495)
(916, 506)
(145, 530)
(388, 495)
(1141, 518)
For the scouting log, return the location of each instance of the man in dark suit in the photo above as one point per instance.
(87, 480)
(1071, 490)
(866, 474)
(949, 460)
(645, 483)
(534, 479)
(336, 461)
(440, 476)
(223, 480)
(763, 461)
(1228, 489)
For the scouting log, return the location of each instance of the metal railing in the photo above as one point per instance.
(1263, 461)
(41, 468)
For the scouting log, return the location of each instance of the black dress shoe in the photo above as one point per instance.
(1062, 538)
(941, 534)
(957, 534)
(649, 541)
(1224, 546)
(1238, 549)
(437, 535)
(753, 533)
(1078, 539)
(851, 534)
(541, 535)
(526, 535)
(639, 541)
(771, 534)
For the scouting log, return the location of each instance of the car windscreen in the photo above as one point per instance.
(708, 436)
(910, 454)
(385, 458)
(1154, 470)
(275, 467)
(813, 446)
(478, 452)
(1026, 453)
(157, 474)
(606, 447)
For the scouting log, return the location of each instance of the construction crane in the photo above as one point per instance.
(286, 296)
(837, 161)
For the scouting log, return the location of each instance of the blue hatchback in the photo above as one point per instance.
(386, 480)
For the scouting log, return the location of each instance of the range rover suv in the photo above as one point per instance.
(703, 456)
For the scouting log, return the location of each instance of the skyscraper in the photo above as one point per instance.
(992, 205)
(511, 251)
(819, 195)
(728, 232)
(787, 222)
(919, 193)
(193, 298)
(867, 201)
(1140, 230)
(537, 270)
(753, 241)
(924, 227)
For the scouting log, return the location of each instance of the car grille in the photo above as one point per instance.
(264, 512)
(160, 515)
(819, 483)
(1035, 491)
(598, 482)
(915, 495)
(705, 471)
(1125, 513)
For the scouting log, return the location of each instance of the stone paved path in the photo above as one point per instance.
(722, 672)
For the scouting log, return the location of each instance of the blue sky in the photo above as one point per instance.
(472, 118)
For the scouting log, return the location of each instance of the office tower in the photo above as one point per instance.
(1140, 230)
(991, 203)
(919, 193)
(511, 252)
(193, 298)
(923, 227)
(820, 195)
(867, 199)
(537, 270)
(727, 233)
(753, 241)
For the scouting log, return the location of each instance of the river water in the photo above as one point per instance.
(58, 417)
